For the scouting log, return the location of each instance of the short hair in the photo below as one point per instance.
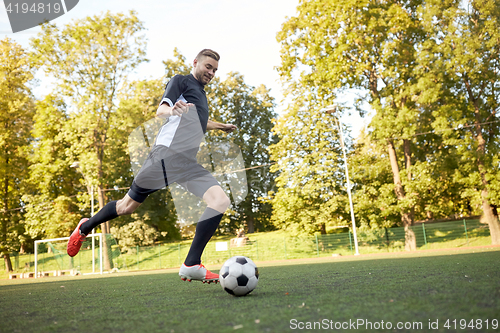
(208, 53)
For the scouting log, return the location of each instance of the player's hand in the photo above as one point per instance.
(228, 128)
(181, 107)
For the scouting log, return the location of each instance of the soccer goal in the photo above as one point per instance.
(51, 258)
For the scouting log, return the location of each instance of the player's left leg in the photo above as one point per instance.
(192, 269)
(112, 210)
(150, 178)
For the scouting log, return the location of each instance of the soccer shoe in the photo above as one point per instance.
(197, 273)
(76, 239)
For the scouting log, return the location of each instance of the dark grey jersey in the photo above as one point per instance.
(184, 134)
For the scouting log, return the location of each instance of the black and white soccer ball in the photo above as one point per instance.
(239, 276)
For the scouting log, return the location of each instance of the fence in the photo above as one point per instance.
(272, 246)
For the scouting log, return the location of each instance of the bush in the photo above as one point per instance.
(135, 234)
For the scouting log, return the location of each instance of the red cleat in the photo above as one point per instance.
(76, 239)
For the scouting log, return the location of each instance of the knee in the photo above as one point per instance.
(225, 202)
(220, 202)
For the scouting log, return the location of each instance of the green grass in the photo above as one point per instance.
(412, 287)
(275, 245)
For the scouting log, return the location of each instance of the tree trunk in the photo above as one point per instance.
(107, 259)
(410, 239)
(491, 219)
(8, 263)
(323, 228)
(488, 214)
(6, 256)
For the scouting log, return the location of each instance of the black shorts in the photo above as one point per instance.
(164, 167)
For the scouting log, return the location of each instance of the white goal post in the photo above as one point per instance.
(51, 256)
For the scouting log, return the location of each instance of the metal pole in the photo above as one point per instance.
(349, 190)
(350, 241)
(388, 243)
(36, 259)
(179, 247)
(317, 246)
(284, 242)
(425, 237)
(466, 235)
(100, 252)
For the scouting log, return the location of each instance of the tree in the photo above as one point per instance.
(461, 58)
(90, 59)
(310, 184)
(375, 202)
(251, 110)
(50, 207)
(430, 71)
(16, 120)
(370, 46)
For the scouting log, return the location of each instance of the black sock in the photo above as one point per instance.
(205, 229)
(107, 213)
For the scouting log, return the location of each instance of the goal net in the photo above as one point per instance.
(51, 258)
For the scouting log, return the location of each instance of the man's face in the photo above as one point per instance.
(204, 69)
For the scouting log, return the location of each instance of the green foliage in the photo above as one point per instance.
(251, 109)
(429, 70)
(16, 121)
(133, 234)
(463, 48)
(311, 179)
(178, 65)
(364, 45)
(51, 211)
(92, 126)
(461, 56)
(375, 201)
(90, 60)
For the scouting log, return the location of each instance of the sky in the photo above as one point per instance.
(242, 32)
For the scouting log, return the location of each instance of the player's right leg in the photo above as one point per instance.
(112, 210)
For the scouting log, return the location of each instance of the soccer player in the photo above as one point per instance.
(173, 160)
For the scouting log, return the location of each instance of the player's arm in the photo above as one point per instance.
(173, 90)
(228, 128)
(165, 110)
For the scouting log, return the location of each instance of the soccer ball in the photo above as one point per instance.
(239, 276)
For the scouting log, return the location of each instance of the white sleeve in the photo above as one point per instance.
(166, 100)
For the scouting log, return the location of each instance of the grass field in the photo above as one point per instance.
(405, 289)
(265, 246)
